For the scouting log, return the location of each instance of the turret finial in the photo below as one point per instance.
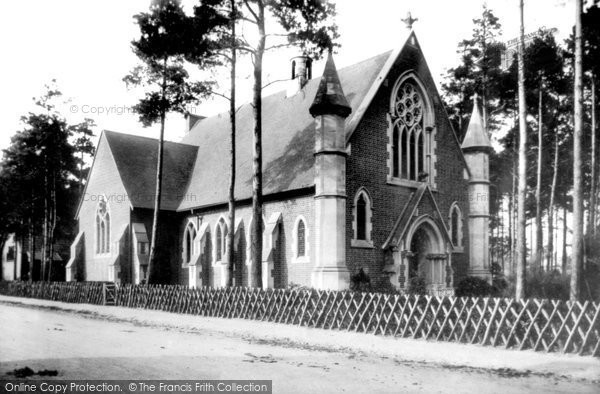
(409, 21)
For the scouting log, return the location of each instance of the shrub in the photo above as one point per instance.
(472, 286)
(360, 281)
(416, 286)
(539, 284)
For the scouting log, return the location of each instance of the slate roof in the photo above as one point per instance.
(288, 140)
(136, 159)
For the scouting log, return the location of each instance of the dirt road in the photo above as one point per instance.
(82, 346)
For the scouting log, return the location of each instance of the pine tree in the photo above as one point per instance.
(522, 180)
(167, 38)
(577, 258)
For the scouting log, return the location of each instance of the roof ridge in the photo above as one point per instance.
(107, 132)
(283, 91)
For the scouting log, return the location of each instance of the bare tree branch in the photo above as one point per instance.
(251, 10)
(278, 46)
(272, 82)
(220, 95)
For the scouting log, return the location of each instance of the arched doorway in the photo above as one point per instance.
(428, 259)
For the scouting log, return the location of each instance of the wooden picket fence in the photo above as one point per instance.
(540, 325)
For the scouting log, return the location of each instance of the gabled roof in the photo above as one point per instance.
(408, 212)
(287, 134)
(136, 159)
(196, 171)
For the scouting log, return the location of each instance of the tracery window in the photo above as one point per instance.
(411, 142)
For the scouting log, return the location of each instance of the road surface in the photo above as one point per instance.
(86, 346)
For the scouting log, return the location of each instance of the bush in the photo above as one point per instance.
(539, 284)
(472, 286)
(360, 281)
(416, 286)
(547, 284)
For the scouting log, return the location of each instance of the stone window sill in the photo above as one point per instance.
(361, 243)
(301, 260)
(409, 183)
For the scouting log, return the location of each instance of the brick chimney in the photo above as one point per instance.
(192, 120)
(301, 73)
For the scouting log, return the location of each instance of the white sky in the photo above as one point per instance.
(85, 45)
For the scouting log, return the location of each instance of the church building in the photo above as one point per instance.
(361, 171)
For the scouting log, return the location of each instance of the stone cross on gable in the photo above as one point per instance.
(409, 20)
(474, 97)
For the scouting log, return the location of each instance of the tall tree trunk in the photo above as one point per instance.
(52, 226)
(31, 246)
(511, 222)
(550, 252)
(159, 172)
(257, 224)
(593, 192)
(521, 221)
(502, 236)
(231, 234)
(539, 240)
(44, 254)
(577, 259)
(564, 243)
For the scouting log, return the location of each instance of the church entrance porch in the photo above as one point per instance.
(423, 255)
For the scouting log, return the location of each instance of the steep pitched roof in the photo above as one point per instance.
(288, 140)
(476, 137)
(136, 159)
(196, 171)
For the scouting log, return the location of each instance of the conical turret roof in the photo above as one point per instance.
(476, 137)
(330, 98)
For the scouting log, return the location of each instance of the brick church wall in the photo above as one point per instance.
(367, 166)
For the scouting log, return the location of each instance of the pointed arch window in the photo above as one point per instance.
(102, 227)
(411, 147)
(362, 223)
(455, 226)
(220, 240)
(300, 241)
(189, 235)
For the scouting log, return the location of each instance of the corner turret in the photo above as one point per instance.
(330, 109)
(476, 148)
